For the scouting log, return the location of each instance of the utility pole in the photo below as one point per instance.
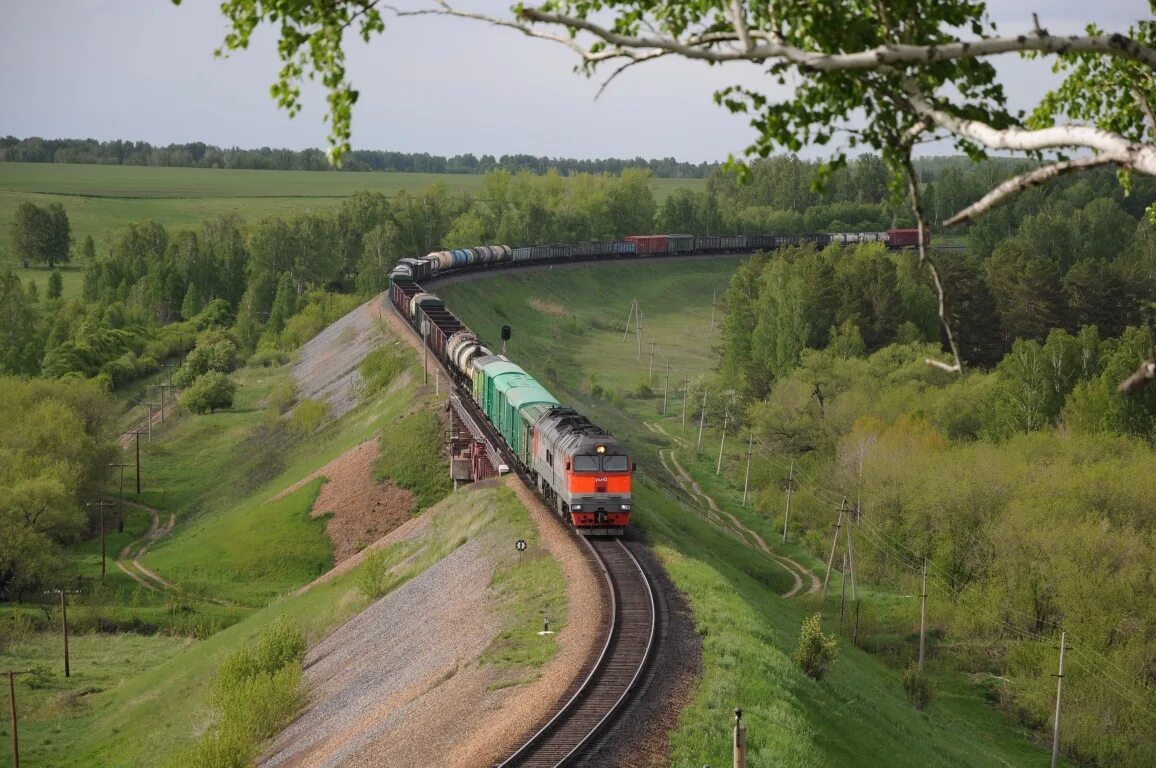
(638, 330)
(137, 433)
(713, 297)
(923, 617)
(120, 511)
(650, 370)
(170, 367)
(12, 698)
(842, 591)
(851, 554)
(162, 388)
(101, 505)
(834, 543)
(1059, 693)
(790, 487)
(701, 420)
(747, 479)
(685, 392)
(723, 441)
(437, 383)
(629, 317)
(150, 407)
(666, 389)
(64, 617)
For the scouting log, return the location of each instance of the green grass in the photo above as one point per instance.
(72, 279)
(859, 714)
(100, 198)
(411, 457)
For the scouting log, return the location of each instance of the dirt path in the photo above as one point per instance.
(129, 558)
(798, 571)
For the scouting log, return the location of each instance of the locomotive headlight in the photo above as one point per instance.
(600, 449)
(576, 508)
(625, 507)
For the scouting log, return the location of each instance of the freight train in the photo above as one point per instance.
(442, 262)
(580, 469)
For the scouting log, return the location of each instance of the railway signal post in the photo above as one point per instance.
(740, 741)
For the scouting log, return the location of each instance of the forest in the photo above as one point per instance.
(1023, 482)
(197, 154)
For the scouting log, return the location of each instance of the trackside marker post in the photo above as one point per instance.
(740, 741)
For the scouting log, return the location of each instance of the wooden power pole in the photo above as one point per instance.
(923, 617)
(120, 511)
(747, 479)
(101, 505)
(1059, 694)
(790, 487)
(834, 543)
(740, 741)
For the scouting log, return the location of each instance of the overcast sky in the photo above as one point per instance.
(144, 70)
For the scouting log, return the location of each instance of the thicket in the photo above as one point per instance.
(257, 692)
(1028, 490)
(54, 455)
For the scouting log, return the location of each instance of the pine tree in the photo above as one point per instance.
(55, 284)
(284, 305)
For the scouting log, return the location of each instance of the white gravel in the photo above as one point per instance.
(326, 368)
(418, 637)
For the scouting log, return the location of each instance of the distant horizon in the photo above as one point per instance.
(477, 155)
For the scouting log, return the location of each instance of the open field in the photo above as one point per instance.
(99, 198)
(567, 330)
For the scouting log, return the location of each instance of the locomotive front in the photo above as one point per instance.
(598, 485)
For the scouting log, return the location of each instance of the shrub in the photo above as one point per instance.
(282, 397)
(411, 458)
(917, 685)
(210, 392)
(379, 368)
(308, 416)
(268, 357)
(258, 690)
(376, 578)
(816, 652)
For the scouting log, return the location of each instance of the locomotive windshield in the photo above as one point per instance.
(585, 463)
(615, 463)
(601, 463)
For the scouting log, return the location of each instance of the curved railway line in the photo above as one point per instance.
(615, 673)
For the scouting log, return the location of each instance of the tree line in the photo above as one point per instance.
(198, 154)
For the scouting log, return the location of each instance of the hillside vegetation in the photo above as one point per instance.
(568, 330)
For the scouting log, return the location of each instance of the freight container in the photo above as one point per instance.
(645, 245)
(907, 238)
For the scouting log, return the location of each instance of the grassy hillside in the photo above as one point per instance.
(568, 330)
(99, 198)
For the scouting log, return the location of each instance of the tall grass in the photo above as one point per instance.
(257, 692)
(411, 457)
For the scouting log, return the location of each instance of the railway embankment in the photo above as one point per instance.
(448, 668)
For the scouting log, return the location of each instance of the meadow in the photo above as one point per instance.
(103, 198)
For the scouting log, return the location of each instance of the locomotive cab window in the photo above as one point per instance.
(585, 463)
(615, 463)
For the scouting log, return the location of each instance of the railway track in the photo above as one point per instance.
(575, 721)
(615, 674)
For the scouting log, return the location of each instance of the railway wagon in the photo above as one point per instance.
(907, 238)
(645, 245)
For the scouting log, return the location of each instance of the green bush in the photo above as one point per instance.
(376, 579)
(917, 685)
(257, 692)
(268, 357)
(379, 368)
(282, 397)
(816, 652)
(210, 392)
(308, 416)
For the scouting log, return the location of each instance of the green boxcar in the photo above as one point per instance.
(501, 413)
(491, 375)
(522, 403)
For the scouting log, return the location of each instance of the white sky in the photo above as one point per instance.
(144, 70)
